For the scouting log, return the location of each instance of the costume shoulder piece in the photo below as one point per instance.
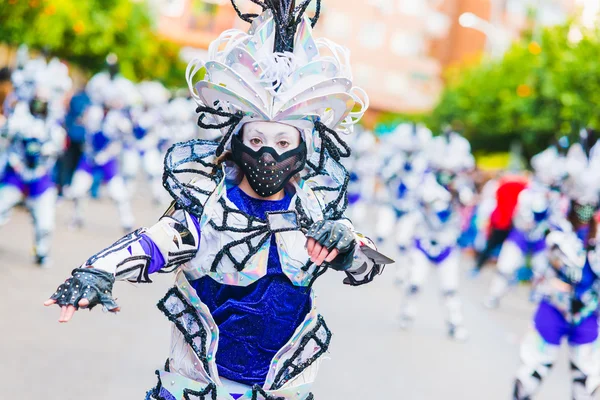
(191, 174)
(276, 71)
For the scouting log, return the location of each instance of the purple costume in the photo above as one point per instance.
(107, 171)
(32, 188)
(526, 246)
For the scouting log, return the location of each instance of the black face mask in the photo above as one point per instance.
(267, 172)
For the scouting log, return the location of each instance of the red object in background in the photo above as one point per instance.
(507, 195)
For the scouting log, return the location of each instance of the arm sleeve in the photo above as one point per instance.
(171, 242)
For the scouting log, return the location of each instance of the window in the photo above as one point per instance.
(405, 44)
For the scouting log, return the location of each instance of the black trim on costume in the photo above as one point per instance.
(268, 221)
(290, 370)
(210, 389)
(189, 197)
(116, 246)
(143, 275)
(188, 312)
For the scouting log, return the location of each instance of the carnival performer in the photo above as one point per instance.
(450, 159)
(143, 147)
(362, 166)
(497, 206)
(538, 209)
(106, 123)
(402, 172)
(437, 228)
(245, 324)
(34, 143)
(567, 285)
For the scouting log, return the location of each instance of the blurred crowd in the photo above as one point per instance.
(59, 140)
(431, 204)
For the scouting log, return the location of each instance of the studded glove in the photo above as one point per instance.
(87, 283)
(335, 235)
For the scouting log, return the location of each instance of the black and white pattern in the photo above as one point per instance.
(318, 338)
(186, 319)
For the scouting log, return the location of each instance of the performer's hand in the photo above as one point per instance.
(327, 240)
(87, 288)
(318, 253)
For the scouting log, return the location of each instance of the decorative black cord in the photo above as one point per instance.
(189, 312)
(313, 20)
(232, 121)
(187, 195)
(290, 370)
(256, 390)
(244, 16)
(341, 150)
(286, 18)
(210, 389)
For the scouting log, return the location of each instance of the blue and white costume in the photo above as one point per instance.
(143, 147)
(538, 211)
(567, 287)
(107, 123)
(34, 143)
(402, 172)
(436, 231)
(362, 165)
(450, 159)
(245, 322)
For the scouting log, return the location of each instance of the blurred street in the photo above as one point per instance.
(99, 356)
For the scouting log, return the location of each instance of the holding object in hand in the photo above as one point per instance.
(332, 242)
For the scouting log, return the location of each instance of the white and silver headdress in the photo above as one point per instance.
(277, 71)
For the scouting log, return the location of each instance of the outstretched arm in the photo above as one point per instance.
(163, 247)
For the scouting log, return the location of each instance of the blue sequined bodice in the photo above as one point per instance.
(254, 321)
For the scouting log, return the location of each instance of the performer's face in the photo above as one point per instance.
(280, 137)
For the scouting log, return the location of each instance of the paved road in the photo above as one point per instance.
(102, 356)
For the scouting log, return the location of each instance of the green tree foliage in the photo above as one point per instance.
(540, 90)
(84, 32)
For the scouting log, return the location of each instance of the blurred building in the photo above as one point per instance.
(494, 24)
(399, 47)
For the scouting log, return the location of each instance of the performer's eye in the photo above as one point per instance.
(255, 142)
(283, 144)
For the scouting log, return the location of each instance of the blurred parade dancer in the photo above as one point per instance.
(244, 319)
(437, 228)
(506, 193)
(362, 166)
(24, 79)
(143, 147)
(450, 159)
(402, 172)
(34, 143)
(75, 127)
(568, 287)
(107, 124)
(538, 208)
